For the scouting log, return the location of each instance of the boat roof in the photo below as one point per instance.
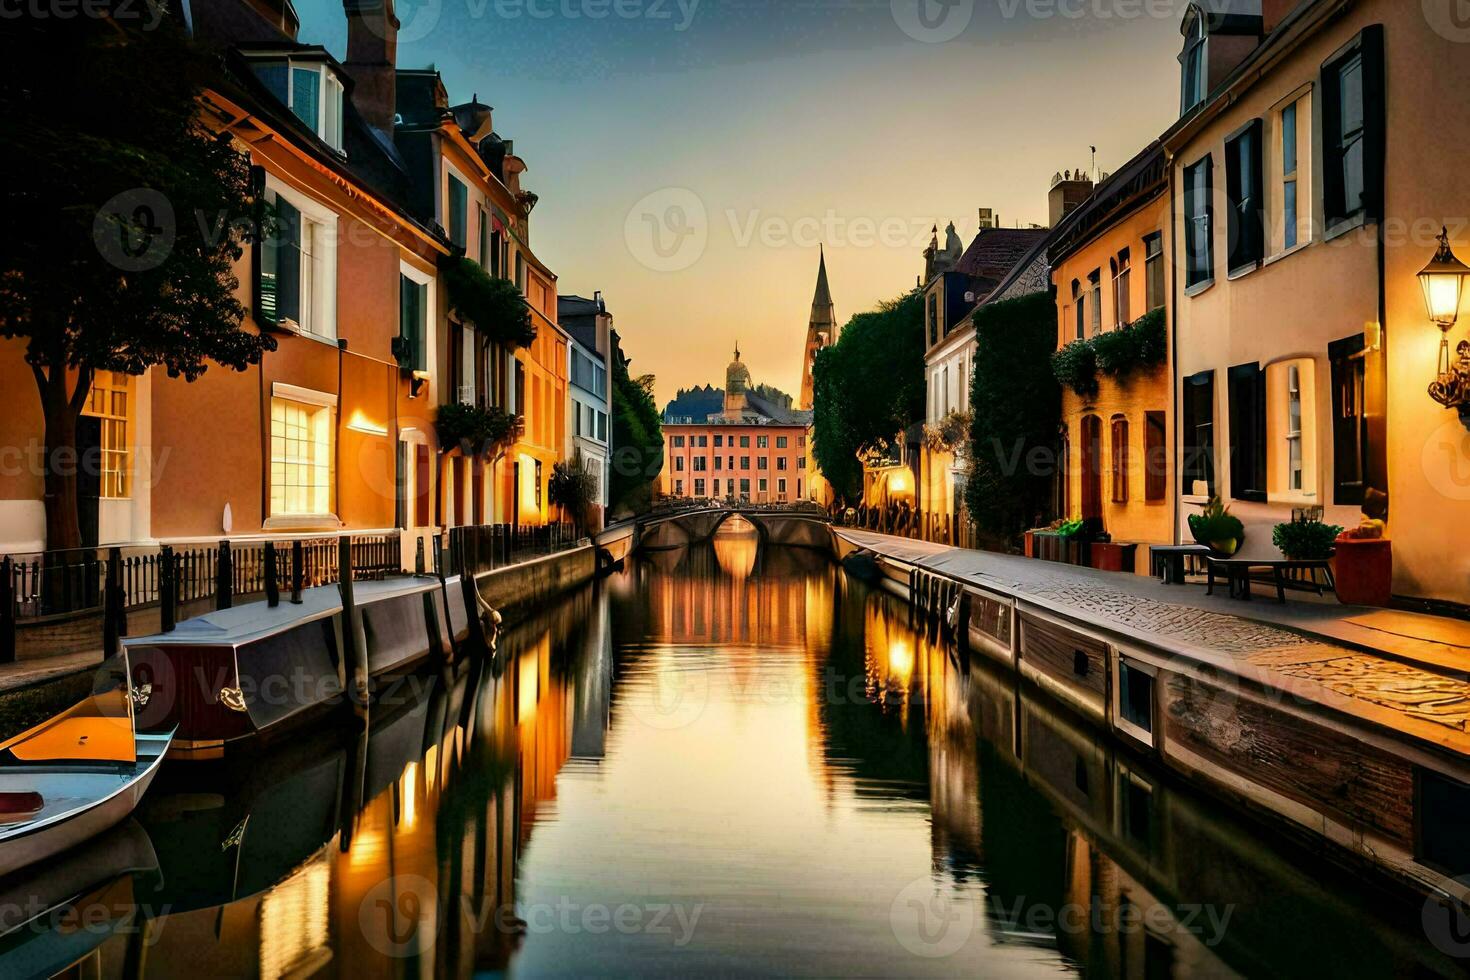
(253, 621)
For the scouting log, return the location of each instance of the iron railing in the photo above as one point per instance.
(485, 547)
(954, 530)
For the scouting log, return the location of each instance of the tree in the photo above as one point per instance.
(867, 389)
(124, 219)
(574, 490)
(638, 440)
(495, 306)
(1016, 406)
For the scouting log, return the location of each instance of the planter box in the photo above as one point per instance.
(1364, 571)
(1114, 557)
(1050, 546)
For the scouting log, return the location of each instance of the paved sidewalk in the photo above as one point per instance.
(1405, 671)
(38, 670)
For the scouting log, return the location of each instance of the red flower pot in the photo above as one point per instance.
(1364, 571)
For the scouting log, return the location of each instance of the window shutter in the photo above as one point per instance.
(280, 272)
(1156, 457)
(1374, 122)
(257, 254)
(1248, 433)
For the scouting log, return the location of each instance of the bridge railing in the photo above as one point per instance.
(954, 530)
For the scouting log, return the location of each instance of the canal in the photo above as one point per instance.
(723, 760)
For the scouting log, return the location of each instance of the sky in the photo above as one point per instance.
(691, 155)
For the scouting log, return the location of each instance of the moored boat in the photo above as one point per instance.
(78, 774)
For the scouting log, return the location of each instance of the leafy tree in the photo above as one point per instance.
(495, 306)
(124, 218)
(638, 440)
(1016, 404)
(867, 388)
(573, 489)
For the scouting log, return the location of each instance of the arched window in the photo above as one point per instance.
(1091, 467)
(1192, 60)
(1120, 459)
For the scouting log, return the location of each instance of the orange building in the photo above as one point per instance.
(752, 450)
(1109, 268)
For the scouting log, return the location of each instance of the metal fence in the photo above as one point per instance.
(485, 547)
(955, 530)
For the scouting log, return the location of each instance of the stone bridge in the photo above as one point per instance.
(799, 528)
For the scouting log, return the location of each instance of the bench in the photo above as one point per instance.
(1167, 561)
(1285, 574)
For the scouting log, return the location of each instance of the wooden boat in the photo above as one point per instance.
(233, 674)
(70, 778)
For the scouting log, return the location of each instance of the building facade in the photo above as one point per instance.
(590, 327)
(1109, 268)
(1311, 181)
(751, 451)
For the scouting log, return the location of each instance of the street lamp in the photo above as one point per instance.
(1443, 281)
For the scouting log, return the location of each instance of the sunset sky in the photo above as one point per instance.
(785, 123)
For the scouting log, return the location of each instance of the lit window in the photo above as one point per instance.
(1120, 460)
(297, 275)
(1293, 166)
(311, 90)
(301, 455)
(110, 402)
(1122, 274)
(1094, 286)
(1153, 269)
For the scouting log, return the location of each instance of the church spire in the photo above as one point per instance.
(821, 330)
(822, 310)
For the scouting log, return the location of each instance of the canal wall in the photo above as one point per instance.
(517, 590)
(1364, 753)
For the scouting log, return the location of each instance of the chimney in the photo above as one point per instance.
(1273, 12)
(372, 58)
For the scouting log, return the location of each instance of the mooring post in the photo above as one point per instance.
(224, 577)
(7, 611)
(298, 573)
(354, 640)
(114, 620)
(272, 587)
(168, 611)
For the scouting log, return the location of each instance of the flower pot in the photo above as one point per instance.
(1364, 571)
(1226, 547)
(1030, 544)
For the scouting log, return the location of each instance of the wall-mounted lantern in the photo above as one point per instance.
(1443, 282)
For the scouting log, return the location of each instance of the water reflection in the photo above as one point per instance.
(725, 760)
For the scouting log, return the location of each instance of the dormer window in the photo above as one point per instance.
(311, 90)
(1193, 62)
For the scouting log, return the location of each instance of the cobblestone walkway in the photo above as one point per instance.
(1282, 642)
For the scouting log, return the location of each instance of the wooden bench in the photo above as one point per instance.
(1167, 560)
(1285, 574)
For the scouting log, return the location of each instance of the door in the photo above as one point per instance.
(1091, 468)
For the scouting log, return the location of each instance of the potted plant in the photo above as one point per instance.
(1306, 540)
(1364, 563)
(1217, 529)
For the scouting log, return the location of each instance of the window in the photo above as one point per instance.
(1120, 459)
(781, 442)
(745, 442)
(1243, 191)
(1094, 286)
(1248, 433)
(1439, 802)
(520, 271)
(110, 401)
(1079, 301)
(719, 441)
(1198, 461)
(1122, 269)
(458, 211)
(296, 277)
(762, 462)
(311, 91)
(1352, 117)
(1294, 428)
(1193, 64)
(698, 487)
(1199, 225)
(701, 464)
(745, 488)
(413, 319)
(781, 488)
(933, 319)
(731, 461)
(719, 462)
(302, 424)
(763, 486)
(678, 488)
(745, 462)
(1349, 421)
(762, 442)
(677, 442)
(782, 462)
(1153, 269)
(801, 462)
(1155, 456)
(1293, 122)
(678, 464)
(800, 442)
(715, 491)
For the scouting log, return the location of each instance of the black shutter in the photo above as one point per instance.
(1374, 122)
(280, 267)
(257, 250)
(1198, 464)
(1248, 433)
(1349, 421)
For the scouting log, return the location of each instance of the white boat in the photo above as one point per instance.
(75, 775)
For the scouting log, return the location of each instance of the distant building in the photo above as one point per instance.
(590, 327)
(822, 330)
(754, 449)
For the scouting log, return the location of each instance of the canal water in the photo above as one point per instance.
(724, 760)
